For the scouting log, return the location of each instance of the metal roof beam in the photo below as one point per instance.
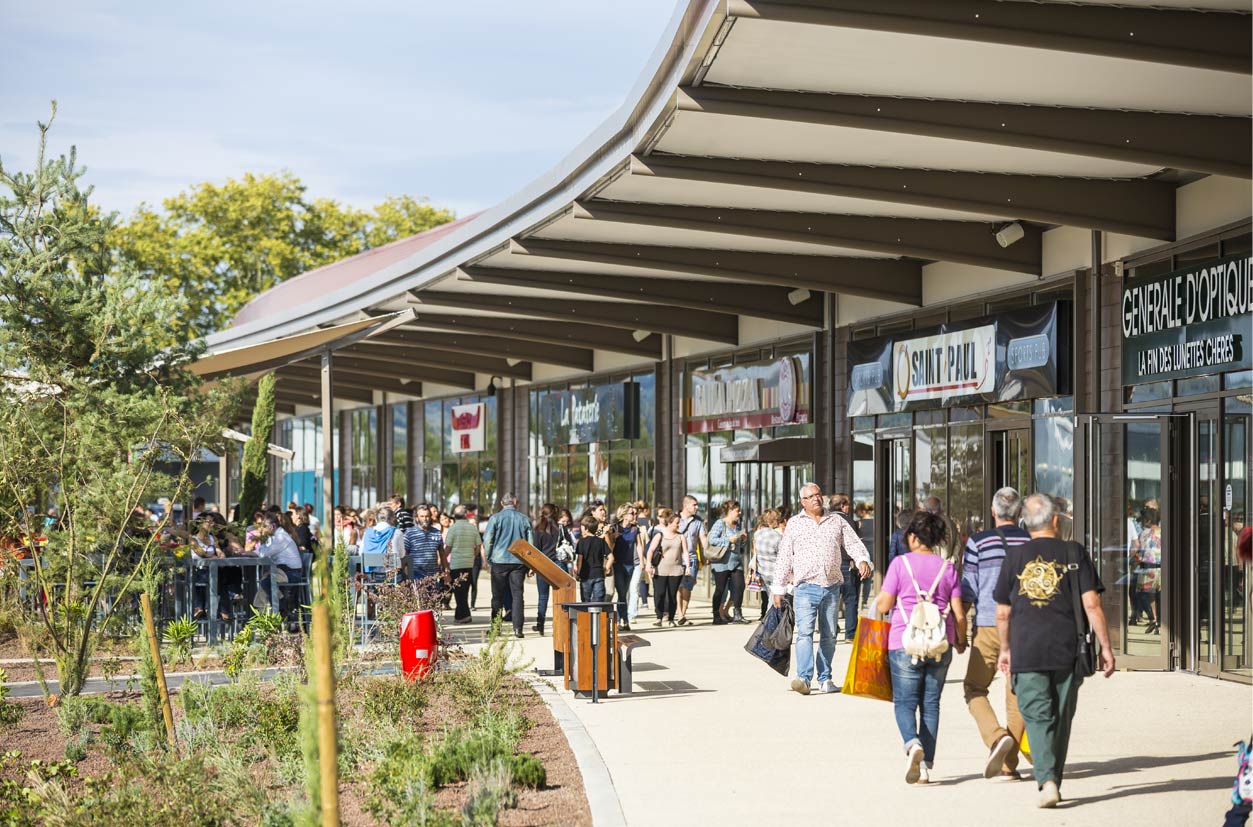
(386, 377)
(526, 330)
(652, 318)
(1203, 143)
(966, 242)
(450, 341)
(358, 381)
(760, 301)
(897, 280)
(292, 386)
(1134, 206)
(409, 356)
(1180, 37)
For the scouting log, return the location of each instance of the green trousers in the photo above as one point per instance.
(1047, 701)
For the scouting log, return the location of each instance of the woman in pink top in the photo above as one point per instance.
(918, 682)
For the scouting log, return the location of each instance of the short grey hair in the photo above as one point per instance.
(459, 512)
(1038, 512)
(507, 500)
(934, 505)
(386, 515)
(817, 488)
(1007, 504)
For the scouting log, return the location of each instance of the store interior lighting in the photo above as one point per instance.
(1010, 233)
(640, 335)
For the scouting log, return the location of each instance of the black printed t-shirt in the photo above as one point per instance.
(592, 552)
(1036, 583)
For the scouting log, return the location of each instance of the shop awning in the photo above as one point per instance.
(279, 352)
(794, 450)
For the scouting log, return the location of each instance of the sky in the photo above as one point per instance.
(463, 102)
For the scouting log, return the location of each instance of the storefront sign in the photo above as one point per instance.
(596, 414)
(1021, 354)
(1190, 322)
(947, 364)
(468, 428)
(757, 395)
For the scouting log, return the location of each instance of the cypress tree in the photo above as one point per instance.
(256, 463)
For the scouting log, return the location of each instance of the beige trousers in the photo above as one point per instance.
(979, 674)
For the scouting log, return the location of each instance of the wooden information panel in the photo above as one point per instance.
(564, 589)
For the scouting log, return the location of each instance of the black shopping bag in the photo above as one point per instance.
(776, 659)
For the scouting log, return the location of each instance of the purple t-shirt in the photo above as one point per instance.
(897, 582)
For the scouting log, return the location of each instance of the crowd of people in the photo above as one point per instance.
(1033, 598)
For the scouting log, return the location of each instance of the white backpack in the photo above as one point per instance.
(926, 629)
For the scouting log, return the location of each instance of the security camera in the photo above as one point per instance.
(1010, 233)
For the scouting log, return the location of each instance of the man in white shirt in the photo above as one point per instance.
(809, 560)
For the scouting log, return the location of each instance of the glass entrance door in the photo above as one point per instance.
(1009, 461)
(896, 492)
(1233, 575)
(1133, 528)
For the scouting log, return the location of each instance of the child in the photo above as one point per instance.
(592, 557)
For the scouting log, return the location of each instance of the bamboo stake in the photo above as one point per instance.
(328, 747)
(154, 648)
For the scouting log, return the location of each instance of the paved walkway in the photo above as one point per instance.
(715, 737)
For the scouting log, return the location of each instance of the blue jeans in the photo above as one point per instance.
(815, 603)
(853, 588)
(592, 590)
(916, 689)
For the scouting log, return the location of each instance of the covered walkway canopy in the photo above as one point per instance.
(790, 166)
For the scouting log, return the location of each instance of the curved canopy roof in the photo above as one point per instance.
(828, 146)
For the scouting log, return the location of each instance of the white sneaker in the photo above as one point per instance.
(828, 687)
(1049, 795)
(800, 686)
(924, 775)
(913, 764)
(997, 755)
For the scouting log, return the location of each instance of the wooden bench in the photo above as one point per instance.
(626, 645)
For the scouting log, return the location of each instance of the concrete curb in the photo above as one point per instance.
(602, 796)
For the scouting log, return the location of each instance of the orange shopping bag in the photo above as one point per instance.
(868, 672)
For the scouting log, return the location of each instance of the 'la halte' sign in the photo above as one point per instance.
(1190, 322)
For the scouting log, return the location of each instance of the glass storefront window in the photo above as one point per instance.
(1054, 456)
(863, 423)
(400, 449)
(698, 468)
(1149, 392)
(1194, 385)
(863, 486)
(1001, 410)
(1060, 405)
(363, 458)
(930, 464)
(1238, 379)
(965, 491)
(896, 420)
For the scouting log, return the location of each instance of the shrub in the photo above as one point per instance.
(392, 699)
(179, 636)
(491, 790)
(249, 647)
(479, 684)
(10, 713)
(528, 771)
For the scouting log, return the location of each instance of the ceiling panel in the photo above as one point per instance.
(861, 61)
(648, 189)
(737, 136)
(569, 228)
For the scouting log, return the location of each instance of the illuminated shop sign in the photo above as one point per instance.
(596, 414)
(1022, 354)
(1190, 322)
(746, 396)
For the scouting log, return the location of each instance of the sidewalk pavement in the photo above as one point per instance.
(714, 736)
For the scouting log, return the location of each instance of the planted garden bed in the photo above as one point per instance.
(469, 745)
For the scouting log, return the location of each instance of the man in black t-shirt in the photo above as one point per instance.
(1035, 617)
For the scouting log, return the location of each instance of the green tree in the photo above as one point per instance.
(256, 460)
(92, 405)
(221, 245)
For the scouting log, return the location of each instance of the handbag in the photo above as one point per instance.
(565, 549)
(1088, 649)
(654, 559)
(759, 646)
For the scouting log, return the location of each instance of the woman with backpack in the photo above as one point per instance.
(922, 594)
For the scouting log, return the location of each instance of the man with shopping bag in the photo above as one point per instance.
(813, 544)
